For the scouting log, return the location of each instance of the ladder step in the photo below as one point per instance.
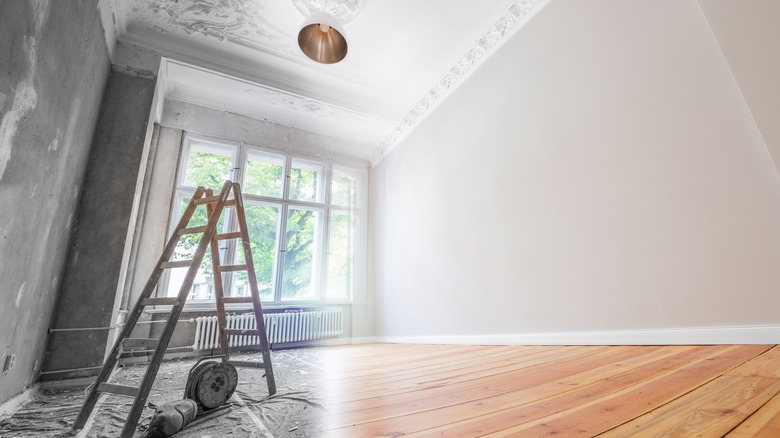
(207, 200)
(159, 301)
(176, 264)
(235, 300)
(149, 344)
(238, 332)
(213, 200)
(193, 230)
(247, 363)
(230, 268)
(112, 388)
(234, 235)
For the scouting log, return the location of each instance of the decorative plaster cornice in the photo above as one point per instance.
(457, 73)
(246, 95)
(301, 104)
(344, 10)
(237, 21)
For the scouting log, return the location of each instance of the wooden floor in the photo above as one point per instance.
(497, 391)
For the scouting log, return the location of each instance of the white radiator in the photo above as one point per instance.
(279, 327)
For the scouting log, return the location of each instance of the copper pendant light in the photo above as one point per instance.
(322, 38)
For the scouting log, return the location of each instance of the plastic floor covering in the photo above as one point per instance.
(294, 411)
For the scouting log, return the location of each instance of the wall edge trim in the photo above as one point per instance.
(747, 334)
(18, 401)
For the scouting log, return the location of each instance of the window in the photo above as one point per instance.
(305, 219)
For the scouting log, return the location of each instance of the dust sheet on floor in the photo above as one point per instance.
(294, 411)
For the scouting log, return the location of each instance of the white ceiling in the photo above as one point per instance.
(242, 56)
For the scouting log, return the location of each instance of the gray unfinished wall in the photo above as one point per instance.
(53, 69)
(94, 263)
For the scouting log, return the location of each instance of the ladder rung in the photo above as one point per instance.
(214, 199)
(230, 268)
(234, 235)
(207, 200)
(235, 300)
(112, 388)
(193, 230)
(238, 332)
(159, 301)
(247, 363)
(176, 264)
(150, 344)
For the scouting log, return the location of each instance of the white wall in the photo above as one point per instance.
(748, 33)
(600, 172)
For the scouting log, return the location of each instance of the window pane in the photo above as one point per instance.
(208, 166)
(306, 180)
(263, 226)
(203, 285)
(341, 256)
(344, 189)
(264, 174)
(302, 237)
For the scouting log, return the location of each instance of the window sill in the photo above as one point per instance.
(210, 306)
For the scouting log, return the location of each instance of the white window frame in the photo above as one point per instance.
(319, 282)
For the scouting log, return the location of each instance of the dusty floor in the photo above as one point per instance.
(294, 411)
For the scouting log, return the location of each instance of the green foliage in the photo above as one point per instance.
(262, 226)
(207, 170)
(344, 190)
(303, 185)
(341, 256)
(298, 260)
(187, 245)
(265, 179)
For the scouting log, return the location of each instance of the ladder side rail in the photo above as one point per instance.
(135, 314)
(252, 279)
(173, 317)
(216, 263)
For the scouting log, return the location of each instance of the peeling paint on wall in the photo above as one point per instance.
(56, 142)
(19, 295)
(52, 82)
(25, 99)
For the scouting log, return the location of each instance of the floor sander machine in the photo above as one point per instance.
(210, 384)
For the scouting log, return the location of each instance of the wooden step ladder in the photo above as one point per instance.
(210, 237)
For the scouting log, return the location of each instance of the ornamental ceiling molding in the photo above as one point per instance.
(306, 105)
(181, 77)
(237, 21)
(344, 10)
(499, 32)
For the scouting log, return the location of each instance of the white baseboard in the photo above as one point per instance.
(366, 340)
(16, 402)
(754, 334)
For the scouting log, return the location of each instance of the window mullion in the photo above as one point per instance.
(282, 245)
(231, 220)
(325, 235)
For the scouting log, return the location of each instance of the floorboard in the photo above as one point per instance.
(503, 391)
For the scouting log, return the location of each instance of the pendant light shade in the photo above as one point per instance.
(322, 38)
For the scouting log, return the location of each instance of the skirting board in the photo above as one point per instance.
(764, 334)
(17, 401)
